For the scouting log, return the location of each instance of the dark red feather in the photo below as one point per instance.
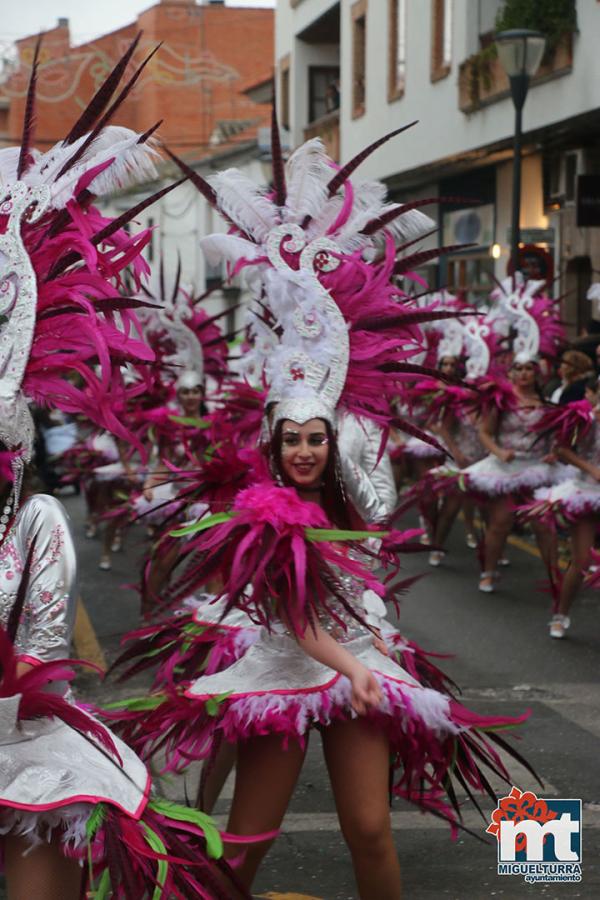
(373, 323)
(277, 159)
(105, 119)
(98, 103)
(25, 158)
(389, 216)
(424, 256)
(346, 171)
(197, 180)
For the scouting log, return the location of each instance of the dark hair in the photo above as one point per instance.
(593, 384)
(339, 508)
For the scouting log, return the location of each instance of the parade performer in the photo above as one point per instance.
(70, 792)
(575, 501)
(191, 348)
(322, 252)
(466, 343)
(516, 463)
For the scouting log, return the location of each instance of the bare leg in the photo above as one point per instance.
(500, 522)
(357, 757)
(468, 508)
(44, 874)
(222, 766)
(446, 517)
(266, 776)
(161, 565)
(427, 507)
(582, 541)
(547, 544)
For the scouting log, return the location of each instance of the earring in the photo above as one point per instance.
(12, 499)
(17, 465)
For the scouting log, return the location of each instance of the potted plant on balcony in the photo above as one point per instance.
(482, 78)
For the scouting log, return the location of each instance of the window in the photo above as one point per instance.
(397, 49)
(441, 38)
(284, 92)
(359, 57)
(470, 276)
(323, 91)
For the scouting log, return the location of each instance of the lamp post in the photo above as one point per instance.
(520, 51)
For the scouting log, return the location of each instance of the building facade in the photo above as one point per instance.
(353, 70)
(194, 83)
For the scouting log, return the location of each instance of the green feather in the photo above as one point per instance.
(341, 534)
(95, 820)
(180, 813)
(138, 704)
(212, 704)
(162, 866)
(190, 420)
(209, 522)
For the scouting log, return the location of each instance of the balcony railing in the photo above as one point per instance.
(328, 129)
(482, 80)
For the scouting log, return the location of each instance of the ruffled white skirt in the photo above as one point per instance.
(575, 497)
(494, 478)
(51, 777)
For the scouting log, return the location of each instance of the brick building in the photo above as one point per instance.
(209, 53)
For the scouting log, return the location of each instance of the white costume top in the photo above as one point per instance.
(44, 764)
(369, 480)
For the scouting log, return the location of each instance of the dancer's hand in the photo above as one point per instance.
(507, 455)
(366, 692)
(379, 643)
(148, 494)
(461, 460)
(550, 458)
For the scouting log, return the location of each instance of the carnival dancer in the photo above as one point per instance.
(575, 501)
(280, 550)
(192, 349)
(467, 342)
(458, 431)
(70, 792)
(516, 465)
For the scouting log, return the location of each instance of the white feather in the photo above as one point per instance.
(321, 223)
(228, 247)
(308, 172)
(133, 162)
(408, 226)
(245, 203)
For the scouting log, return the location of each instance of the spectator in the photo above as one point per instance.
(574, 370)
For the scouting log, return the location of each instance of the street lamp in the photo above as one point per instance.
(520, 51)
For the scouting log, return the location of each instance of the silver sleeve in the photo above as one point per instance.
(362, 491)
(51, 590)
(379, 471)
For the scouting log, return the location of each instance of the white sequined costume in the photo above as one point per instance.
(50, 775)
(577, 496)
(493, 477)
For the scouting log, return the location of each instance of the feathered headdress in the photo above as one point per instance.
(188, 343)
(329, 324)
(521, 305)
(65, 330)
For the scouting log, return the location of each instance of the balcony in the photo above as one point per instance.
(482, 80)
(327, 127)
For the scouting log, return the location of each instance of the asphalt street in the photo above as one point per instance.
(504, 661)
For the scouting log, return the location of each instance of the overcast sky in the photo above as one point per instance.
(87, 18)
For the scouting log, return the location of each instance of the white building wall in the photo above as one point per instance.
(443, 130)
(179, 220)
